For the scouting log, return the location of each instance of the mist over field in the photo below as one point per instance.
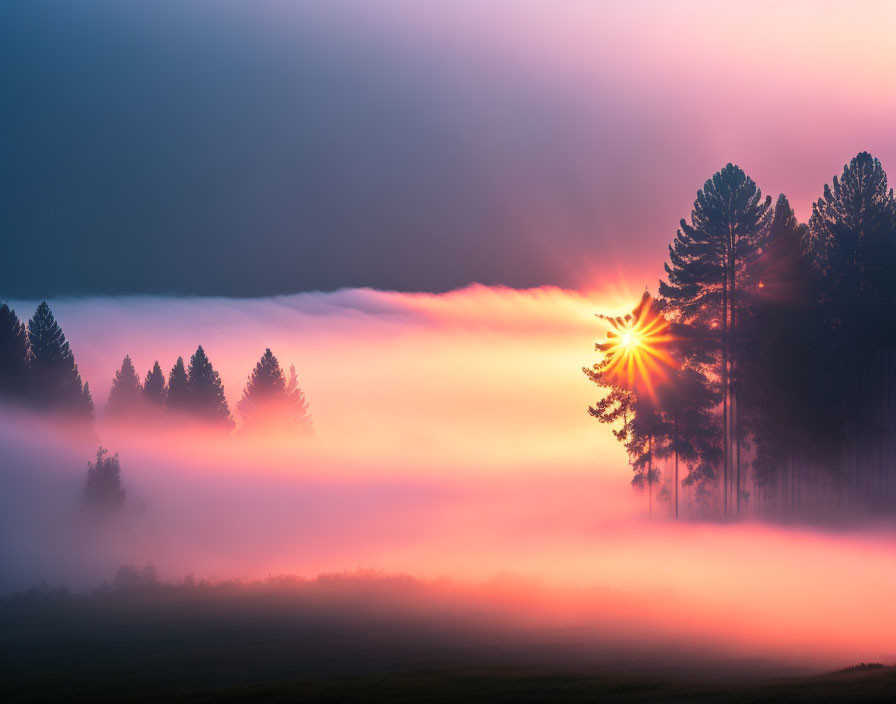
(452, 446)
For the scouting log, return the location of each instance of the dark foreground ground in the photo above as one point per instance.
(360, 640)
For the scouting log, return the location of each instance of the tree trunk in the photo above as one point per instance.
(725, 396)
(675, 447)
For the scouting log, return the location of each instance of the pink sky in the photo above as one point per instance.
(656, 96)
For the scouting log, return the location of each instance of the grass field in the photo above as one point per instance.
(363, 640)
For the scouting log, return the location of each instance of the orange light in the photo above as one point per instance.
(635, 350)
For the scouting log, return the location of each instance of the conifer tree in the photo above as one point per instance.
(269, 402)
(178, 398)
(14, 355)
(299, 415)
(103, 489)
(788, 412)
(709, 262)
(55, 380)
(155, 390)
(207, 400)
(125, 395)
(264, 401)
(852, 240)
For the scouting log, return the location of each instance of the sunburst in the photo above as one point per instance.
(636, 351)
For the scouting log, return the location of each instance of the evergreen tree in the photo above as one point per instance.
(207, 400)
(270, 402)
(125, 395)
(56, 383)
(790, 415)
(852, 240)
(154, 389)
(103, 488)
(14, 355)
(178, 398)
(264, 398)
(710, 261)
(299, 415)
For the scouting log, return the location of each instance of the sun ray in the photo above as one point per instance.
(636, 351)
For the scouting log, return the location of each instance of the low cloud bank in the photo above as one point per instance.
(452, 443)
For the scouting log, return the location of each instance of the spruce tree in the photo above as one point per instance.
(14, 355)
(299, 415)
(269, 402)
(852, 240)
(155, 390)
(709, 263)
(207, 400)
(103, 488)
(264, 400)
(177, 399)
(125, 395)
(55, 380)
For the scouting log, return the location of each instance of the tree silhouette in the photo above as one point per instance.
(299, 415)
(55, 381)
(14, 355)
(852, 240)
(103, 488)
(178, 400)
(269, 402)
(155, 391)
(207, 400)
(708, 263)
(126, 393)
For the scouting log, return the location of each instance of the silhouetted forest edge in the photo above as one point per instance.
(39, 375)
(758, 380)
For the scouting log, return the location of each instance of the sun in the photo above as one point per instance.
(628, 339)
(636, 353)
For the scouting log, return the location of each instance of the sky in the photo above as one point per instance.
(246, 149)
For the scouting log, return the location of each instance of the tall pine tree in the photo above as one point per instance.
(154, 390)
(299, 415)
(125, 396)
(709, 262)
(55, 380)
(103, 488)
(207, 401)
(14, 355)
(177, 400)
(270, 403)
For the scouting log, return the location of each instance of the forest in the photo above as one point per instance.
(38, 372)
(758, 381)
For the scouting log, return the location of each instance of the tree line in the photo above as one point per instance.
(764, 364)
(38, 370)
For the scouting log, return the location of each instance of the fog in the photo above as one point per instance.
(452, 445)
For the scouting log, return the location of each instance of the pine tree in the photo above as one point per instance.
(269, 402)
(56, 382)
(154, 390)
(178, 398)
(788, 412)
(207, 400)
(125, 395)
(103, 488)
(299, 415)
(710, 260)
(264, 402)
(14, 355)
(852, 240)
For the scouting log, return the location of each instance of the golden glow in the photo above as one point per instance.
(636, 353)
(628, 339)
